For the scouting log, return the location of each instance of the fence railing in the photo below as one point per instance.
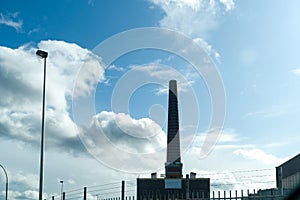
(115, 191)
(111, 191)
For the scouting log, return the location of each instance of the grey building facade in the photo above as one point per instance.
(161, 188)
(288, 174)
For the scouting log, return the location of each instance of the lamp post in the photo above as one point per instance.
(42, 54)
(61, 189)
(6, 185)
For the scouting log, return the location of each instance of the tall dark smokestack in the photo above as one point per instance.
(173, 164)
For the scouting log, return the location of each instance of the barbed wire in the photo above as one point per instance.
(260, 176)
(234, 172)
(112, 183)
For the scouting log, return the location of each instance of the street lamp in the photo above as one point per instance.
(61, 189)
(6, 185)
(42, 54)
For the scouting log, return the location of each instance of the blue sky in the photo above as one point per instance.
(253, 45)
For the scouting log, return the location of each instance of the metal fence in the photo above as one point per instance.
(117, 191)
(111, 191)
(215, 195)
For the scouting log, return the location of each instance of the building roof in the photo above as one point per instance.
(290, 167)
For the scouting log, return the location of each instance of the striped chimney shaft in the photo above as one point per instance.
(173, 164)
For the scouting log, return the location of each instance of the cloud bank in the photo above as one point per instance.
(195, 18)
(21, 92)
(20, 106)
(118, 141)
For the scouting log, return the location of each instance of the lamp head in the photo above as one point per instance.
(42, 54)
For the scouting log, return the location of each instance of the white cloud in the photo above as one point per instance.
(296, 71)
(229, 4)
(160, 73)
(192, 17)
(24, 180)
(208, 48)
(272, 111)
(195, 18)
(10, 20)
(232, 165)
(225, 136)
(35, 30)
(117, 140)
(232, 142)
(23, 186)
(122, 125)
(24, 195)
(116, 68)
(259, 155)
(68, 59)
(21, 89)
(218, 139)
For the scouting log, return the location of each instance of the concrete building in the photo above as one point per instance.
(173, 185)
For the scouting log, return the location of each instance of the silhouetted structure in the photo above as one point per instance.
(287, 180)
(173, 165)
(288, 174)
(173, 186)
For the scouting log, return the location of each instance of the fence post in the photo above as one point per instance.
(236, 195)
(123, 190)
(84, 193)
(64, 196)
(187, 195)
(52, 197)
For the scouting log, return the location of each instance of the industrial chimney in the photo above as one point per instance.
(173, 165)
